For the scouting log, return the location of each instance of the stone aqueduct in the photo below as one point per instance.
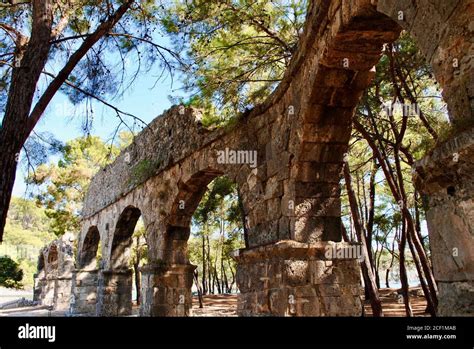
(291, 199)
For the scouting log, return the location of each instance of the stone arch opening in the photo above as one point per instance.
(90, 247)
(122, 239)
(217, 231)
(178, 227)
(178, 279)
(116, 287)
(52, 261)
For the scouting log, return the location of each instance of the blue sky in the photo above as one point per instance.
(146, 99)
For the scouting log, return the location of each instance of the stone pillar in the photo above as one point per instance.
(114, 293)
(446, 178)
(84, 291)
(63, 293)
(48, 293)
(166, 290)
(290, 278)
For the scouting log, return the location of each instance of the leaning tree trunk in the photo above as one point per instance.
(233, 276)
(387, 273)
(403, 270)
(431, 308)
(30, 60)
(31, 57)
(369, 278)
(204, 285)
(198, 286)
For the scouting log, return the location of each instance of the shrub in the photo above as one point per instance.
(10, 273)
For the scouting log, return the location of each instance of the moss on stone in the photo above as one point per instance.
(143, 170)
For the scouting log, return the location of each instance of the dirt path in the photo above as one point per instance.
(216, 305)
(392, 303)
(226, 305)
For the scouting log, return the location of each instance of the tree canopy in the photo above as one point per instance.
(235, 52)
(62, 185)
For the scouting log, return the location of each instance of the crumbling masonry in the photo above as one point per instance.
(53, 282)
(291, 199)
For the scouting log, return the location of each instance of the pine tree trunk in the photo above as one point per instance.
(219, 289)
(196, 281)
(209, 267)
(204, 285)
(14, 128)
(403, 271)
(137, 281)
(31, 57)
(376, 271)
(369, 278)
(233, 276)
(244, 220)
(411, 231)
(8, 167)
(370, 220)
(397, 188)
(430, 307)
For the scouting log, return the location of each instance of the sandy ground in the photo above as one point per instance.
(216, 305)
(226, 305)
(393, 306)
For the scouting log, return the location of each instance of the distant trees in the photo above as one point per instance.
(27, 231)
(216, 233)
(61, 186)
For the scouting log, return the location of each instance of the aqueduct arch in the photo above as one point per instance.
(115, 280)
(291, 197)
(88, 256)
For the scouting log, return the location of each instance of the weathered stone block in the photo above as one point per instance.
(290, 279)
(296, 272)
(456, 298)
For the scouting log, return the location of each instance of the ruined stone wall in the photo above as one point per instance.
(446, 177)
(53, 282)
(300, 135)
(296, 279)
